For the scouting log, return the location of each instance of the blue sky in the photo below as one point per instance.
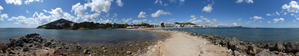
(250, 13)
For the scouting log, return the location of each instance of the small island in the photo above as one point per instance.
(66, 24)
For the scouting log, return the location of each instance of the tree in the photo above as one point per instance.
(162, 25)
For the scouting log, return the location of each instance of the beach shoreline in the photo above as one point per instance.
(174, 43)
(237, 47)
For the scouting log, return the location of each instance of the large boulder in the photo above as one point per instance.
(266, 52)
(3, 46)
(28, 39)
(279, 47)
(292, 47)
(253, 49)
(235, 44)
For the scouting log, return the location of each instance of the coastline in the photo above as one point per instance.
(35, 45)
(174, 43)
(235, 47)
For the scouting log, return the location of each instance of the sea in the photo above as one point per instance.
(100, 35)
(248, 34)
(112, 35)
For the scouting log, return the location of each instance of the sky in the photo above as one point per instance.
(248, 13)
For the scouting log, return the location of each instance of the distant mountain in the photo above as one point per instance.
(58, 24)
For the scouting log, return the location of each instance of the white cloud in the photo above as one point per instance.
(202, 20)
(158, 2)
(79, 9)
(142, 14)
(207, 8)
(29, 1)
(166, 2)
(158, 13)
(119, 3)
(139, 21)
(15, 2)
(24, 20)
(55, 14)
(38, 18)
(99, 5)
(291, 7)
(239, 1)
(58, 13)
(257, 17)
(297, 19)
(19, 2)
(27, 11)
(277, 13)
(193, 18)
(278, 20)
(126, 20)
(235, 24)
(3, 16)
(182, 0)
(268, 14)
(41, 18)
(89, 17)
(1, 8)
(247, 1)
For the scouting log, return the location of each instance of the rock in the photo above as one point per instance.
(86, 51)
(216, 40)
(47, 44)
(279, 47)
(297, 54)
(266, 52)
(237, 53)
(292, 47)
(3, 46)
(235, 44)
(261, 45)
(252, 49)
(26, 49)
(269, 46)
(28, 39)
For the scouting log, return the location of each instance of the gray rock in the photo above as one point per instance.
(292, 47)
(34, 39)
(86, 51)
(237, 53)
(3, 46)
(266, 52)
(261, 45)
(269, 46)
(279, 47)
(297, 54)
(252, 49)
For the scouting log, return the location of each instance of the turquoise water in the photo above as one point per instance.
(81, 35)
(249, 34)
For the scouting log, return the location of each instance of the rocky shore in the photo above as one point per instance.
(35, 45)
(241, 48)
(176, 43)
(235, 47)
